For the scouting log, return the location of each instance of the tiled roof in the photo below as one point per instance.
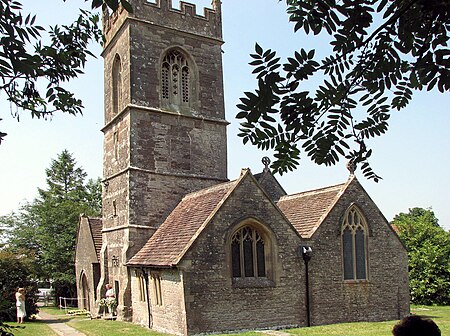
(306, 210)
(95, 225)
(172, 239)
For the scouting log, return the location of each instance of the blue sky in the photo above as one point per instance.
(413, 157)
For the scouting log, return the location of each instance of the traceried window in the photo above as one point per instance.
(354, 241)
(248, 253)
(175, 79)
(116, 85)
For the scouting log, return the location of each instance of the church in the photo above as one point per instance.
(187, 250)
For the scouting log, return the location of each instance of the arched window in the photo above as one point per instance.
(354, 233)
(175, 79)
(248, 253)
(116, 85)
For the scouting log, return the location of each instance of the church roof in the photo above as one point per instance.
(307, 210)
(95, 224)
(174, 237)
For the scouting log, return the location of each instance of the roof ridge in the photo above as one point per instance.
(208, 190)
(313, 191)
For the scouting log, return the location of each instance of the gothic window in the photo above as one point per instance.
(248, 253)
(116, 85)
(354, 241)
(175, 79)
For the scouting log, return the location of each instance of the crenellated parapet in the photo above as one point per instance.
(162, 13)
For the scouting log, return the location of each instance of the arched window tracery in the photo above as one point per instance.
(354, 245)
(175, 79)
(248, 253)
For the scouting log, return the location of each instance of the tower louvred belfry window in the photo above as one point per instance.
(175, 79)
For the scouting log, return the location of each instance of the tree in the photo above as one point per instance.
(46, 228)
(428, 247)
(33, 76)
(381, 52)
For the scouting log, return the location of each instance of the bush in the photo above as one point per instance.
(14, 273)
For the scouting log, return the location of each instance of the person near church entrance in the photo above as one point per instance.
(111, 302)
(110, 292)
(20, 304)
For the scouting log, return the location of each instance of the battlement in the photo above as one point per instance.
(162, 13)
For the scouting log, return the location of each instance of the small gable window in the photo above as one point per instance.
(175, 79)
(248, 253)
(354, 241)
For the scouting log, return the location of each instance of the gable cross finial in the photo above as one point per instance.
(266, 162)
(351, 166)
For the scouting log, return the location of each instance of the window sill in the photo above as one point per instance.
(353, 281)
(252, 282)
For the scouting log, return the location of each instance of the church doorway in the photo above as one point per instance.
(85, 300)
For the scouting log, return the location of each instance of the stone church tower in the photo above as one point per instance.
(165, 128)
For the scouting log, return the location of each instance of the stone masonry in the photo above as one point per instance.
(189, 252)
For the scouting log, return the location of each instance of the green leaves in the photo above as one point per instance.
(25, 61)
(374, 68)
(46, 228)
(428, 247)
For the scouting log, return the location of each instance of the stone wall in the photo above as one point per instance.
(154, 156)
(214, 302)
(385, 295)
(86, 263)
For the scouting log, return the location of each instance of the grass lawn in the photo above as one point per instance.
(110, 328)
(441, 315)
(101, 327)
(53, 310)
(32, 329)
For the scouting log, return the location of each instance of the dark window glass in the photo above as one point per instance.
(347, 241)
(236, 259)
(360, 251)
(248, 258)
(260, 259)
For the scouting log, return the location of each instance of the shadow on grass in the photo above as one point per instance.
(58, 320)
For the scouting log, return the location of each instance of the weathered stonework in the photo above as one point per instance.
(153, 156)
(384, 295)
(169, 214)
(87, 266)
(214, 303)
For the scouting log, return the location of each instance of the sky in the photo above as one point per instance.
(412, 158)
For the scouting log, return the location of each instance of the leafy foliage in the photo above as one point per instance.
(32, 75)
(14, 273)
(46, 228)
(381, 52)
(428, 247)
